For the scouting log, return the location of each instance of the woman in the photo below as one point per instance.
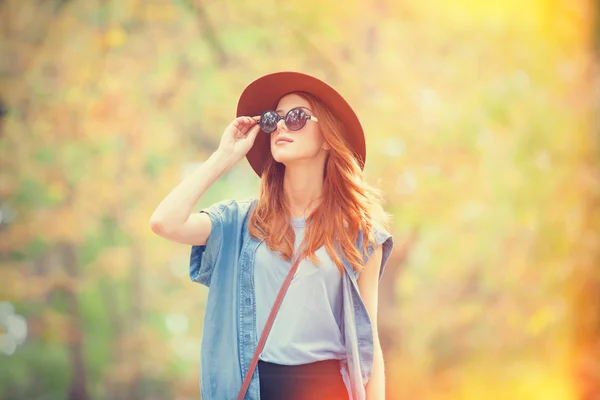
(307, 145)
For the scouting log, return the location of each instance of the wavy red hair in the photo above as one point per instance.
(349, 206)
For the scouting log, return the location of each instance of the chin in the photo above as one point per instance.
(288, 155)
(284, 155)
(284, 158)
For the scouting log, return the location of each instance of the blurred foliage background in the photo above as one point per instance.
(480, 120)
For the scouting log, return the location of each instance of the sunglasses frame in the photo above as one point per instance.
(279, 118)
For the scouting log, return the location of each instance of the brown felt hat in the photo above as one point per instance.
(263, 94)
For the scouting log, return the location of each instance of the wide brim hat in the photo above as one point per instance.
(264, 93)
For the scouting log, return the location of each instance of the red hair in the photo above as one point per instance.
(348, 206)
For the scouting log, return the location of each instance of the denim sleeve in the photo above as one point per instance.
(203, 259)
(380, 237)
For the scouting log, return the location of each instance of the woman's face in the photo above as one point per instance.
(307, 143)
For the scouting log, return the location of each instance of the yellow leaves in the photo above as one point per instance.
(469, 313)
(12, 281)
(159, 11)
(137, 221)
(57, 191)
(563, 23)
(113, 263)
(52, 326)
(408, 285)
(62, 224)
(539, 321)
(545, 377)
(145, 341)
(15, 236)
(529, 381)
(508, 10)
(39, 287)
(101, 108)
(18, 282)
(496, 15)
(114, 37)
(121, 373)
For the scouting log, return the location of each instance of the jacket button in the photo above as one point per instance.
(247, 337)
(248, 301)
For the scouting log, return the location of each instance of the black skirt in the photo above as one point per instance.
(320, 380)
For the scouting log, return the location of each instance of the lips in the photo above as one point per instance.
(283, 139)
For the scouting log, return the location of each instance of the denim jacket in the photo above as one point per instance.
(229, 338)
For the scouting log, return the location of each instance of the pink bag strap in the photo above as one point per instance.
(267, 329)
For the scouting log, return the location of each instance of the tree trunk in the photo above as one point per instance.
(117, 322)
(135, 319)
(77, 387)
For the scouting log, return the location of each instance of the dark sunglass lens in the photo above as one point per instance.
(268, 122)
(295, 119)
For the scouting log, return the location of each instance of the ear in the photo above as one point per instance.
(326, 146)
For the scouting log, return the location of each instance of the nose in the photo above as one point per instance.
(281, 125)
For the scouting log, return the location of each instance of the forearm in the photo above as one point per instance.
(176, 207)
(376, 385)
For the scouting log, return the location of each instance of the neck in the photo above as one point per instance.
(303, 188)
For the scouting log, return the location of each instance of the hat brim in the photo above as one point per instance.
(264, 93)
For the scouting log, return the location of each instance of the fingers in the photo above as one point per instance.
(240, 122)
(243, 124)
(249, 120)
(253, 132)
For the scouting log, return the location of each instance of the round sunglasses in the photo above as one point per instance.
(295, 119)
